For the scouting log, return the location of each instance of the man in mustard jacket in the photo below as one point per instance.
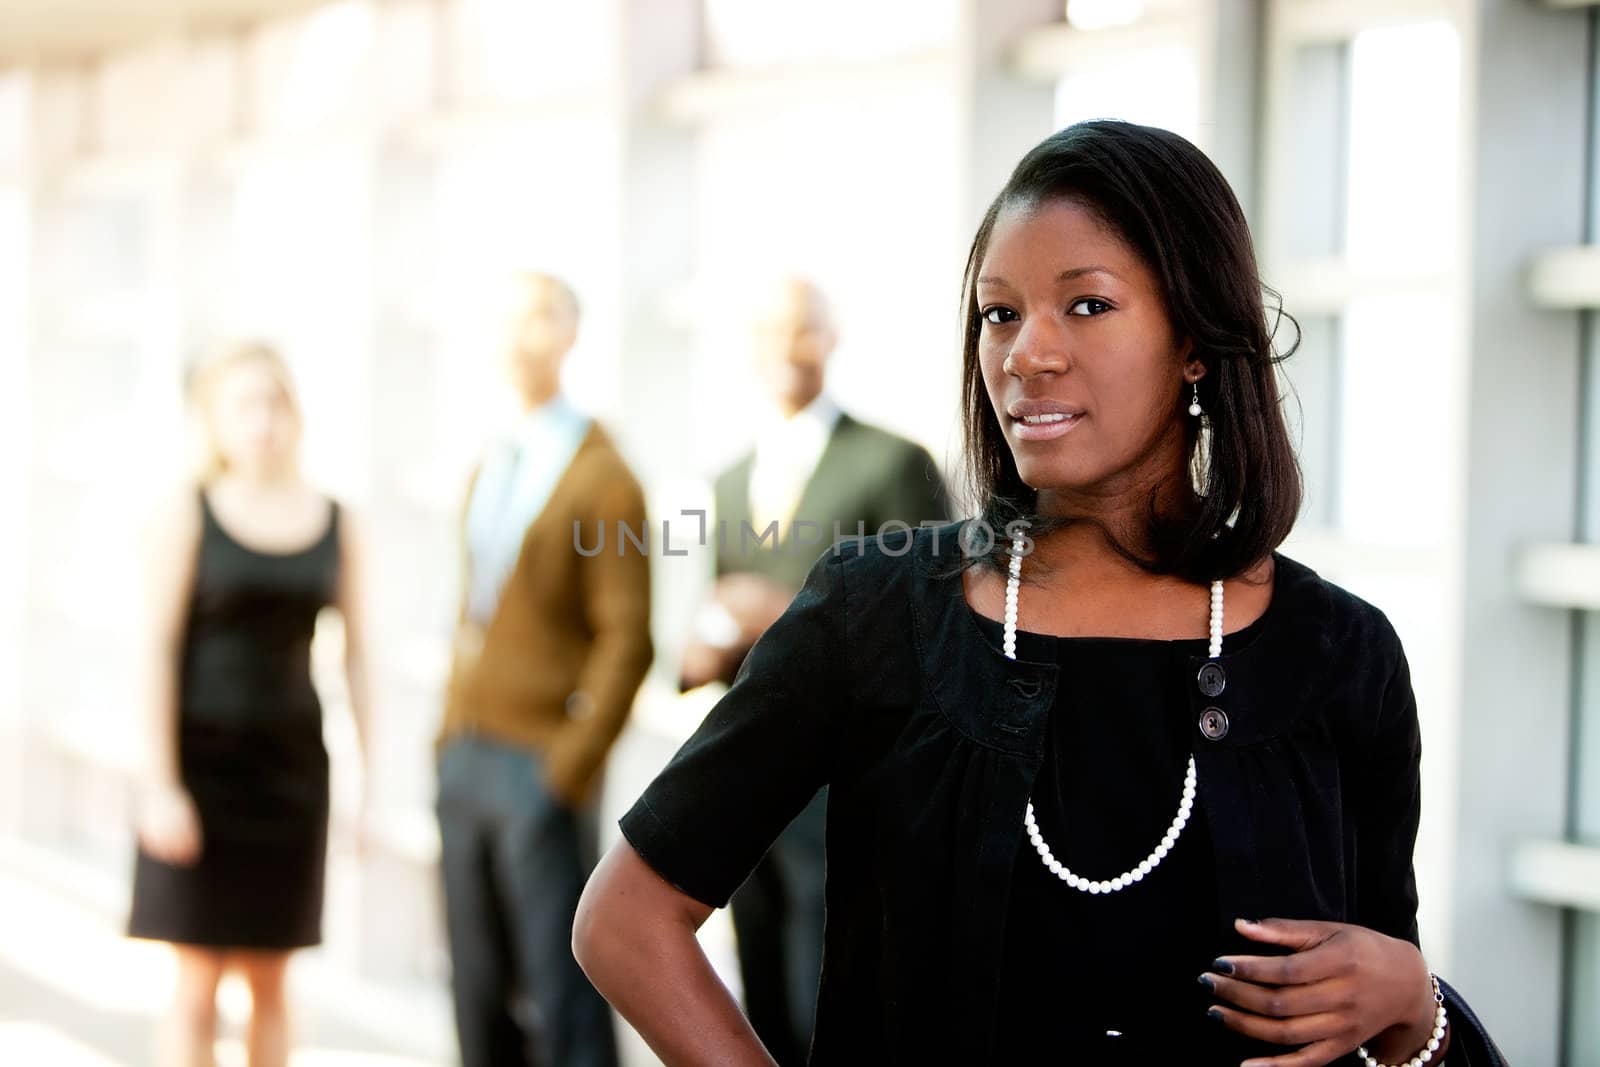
(551, 647)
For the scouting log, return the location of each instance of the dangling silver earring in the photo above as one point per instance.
(1194, 405)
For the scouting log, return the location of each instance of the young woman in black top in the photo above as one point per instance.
(1079, 764)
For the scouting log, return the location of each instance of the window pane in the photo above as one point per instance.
(773, 195)
(507, 203)
(1403, 146)
(14, 105)
(1312, 222)
(520, 50)
(1153, 87)
(208, 86)
(760, 33)
(309, 295)
(134, 103)
(1394, 456)
(1312, 409)
(311, 72)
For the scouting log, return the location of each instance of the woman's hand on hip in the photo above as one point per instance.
(1340, 987)
(169, 826)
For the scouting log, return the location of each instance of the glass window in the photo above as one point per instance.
(15, 413)
(1312, 409)
(311, 72)
(14, 114)
(132, 101)
(762, 33)
(1153, 87)
(209, 88)
(297, 277)
(1371, 168)
(1400, 336)
(1315, 156)
(1404, 158)
(541, 198)
(1363, 171)
(406, 60)
(1396, 454)
(820, 190)
(508, 51)
(89, 350)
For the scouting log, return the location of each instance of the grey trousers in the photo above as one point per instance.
(778, 917)
(514, 866)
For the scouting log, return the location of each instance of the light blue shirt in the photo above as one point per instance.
(519, 472)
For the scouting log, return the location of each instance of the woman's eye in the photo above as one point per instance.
(997, 316)
(1089, 306)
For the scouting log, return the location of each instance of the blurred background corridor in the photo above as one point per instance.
(354, 180)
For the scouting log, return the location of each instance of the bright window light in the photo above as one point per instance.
(309, 72)
(1153, 87)
(1103, 14)
(755, 33)
(511, 51)
(1399, 344)
(1404, 153)
(1396, 444)
(827, 194)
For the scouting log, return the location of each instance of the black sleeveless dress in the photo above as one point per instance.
(250, 752)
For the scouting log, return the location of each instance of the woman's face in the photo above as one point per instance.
(253, 422)
(1077, 353)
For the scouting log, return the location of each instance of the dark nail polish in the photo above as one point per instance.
(1222, 966)
(1214, 1014)
(1205, 980)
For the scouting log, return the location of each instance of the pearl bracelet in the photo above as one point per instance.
(1440, 1022)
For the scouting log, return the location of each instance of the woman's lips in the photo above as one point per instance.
(1046, 427)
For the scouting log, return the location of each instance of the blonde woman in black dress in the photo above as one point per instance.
(233, 805)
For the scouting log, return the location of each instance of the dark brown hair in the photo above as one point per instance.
(1172, 206)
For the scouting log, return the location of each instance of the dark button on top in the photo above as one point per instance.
(1027, 688)
(1214, 724)
(1213, 680)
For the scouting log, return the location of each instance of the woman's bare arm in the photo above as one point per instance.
(635, 938)
(351, 602)
(169, 828)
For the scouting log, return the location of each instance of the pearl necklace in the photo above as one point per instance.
(1185, 804)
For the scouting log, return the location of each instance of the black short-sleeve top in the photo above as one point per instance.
(881, 683)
